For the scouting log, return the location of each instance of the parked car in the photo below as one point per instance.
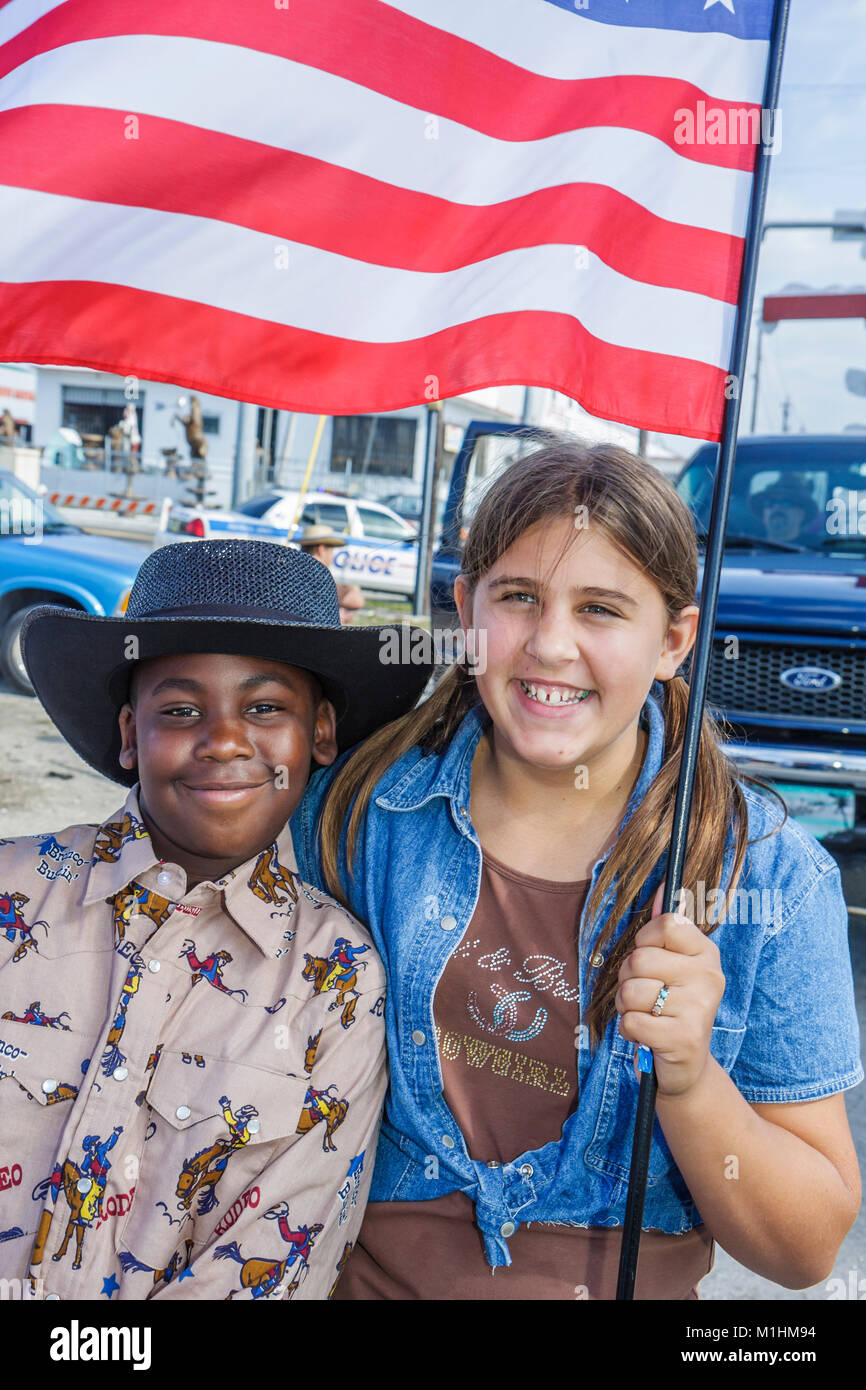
(788, 665)
(64, 450)
(408, 505)
(349, 516)
(381, 551)
(45, 559)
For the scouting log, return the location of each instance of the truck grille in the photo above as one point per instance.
(750, 686)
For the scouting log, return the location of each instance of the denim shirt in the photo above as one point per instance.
(786, 1029)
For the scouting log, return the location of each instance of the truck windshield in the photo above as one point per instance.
(792, 505)
(491, 456)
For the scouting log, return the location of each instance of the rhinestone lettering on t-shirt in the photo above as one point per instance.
(507, 1012)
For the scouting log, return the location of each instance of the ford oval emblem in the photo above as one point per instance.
(816, 678)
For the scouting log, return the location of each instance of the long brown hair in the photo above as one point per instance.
(641, 513)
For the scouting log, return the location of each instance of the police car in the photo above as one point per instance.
(381, 550)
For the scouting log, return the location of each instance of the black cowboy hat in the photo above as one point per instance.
(791, 493)
(232, 597)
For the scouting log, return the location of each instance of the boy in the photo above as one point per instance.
(192, 1040)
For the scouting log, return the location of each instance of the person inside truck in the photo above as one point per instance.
(784, 509)
(506, 841)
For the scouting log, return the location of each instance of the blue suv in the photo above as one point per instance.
(45, 559)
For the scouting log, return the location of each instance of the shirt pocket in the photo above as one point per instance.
(40, 1074)
(209, 1130)
(609, 1150)
(35, 1056)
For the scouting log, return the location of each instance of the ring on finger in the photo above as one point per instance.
(660, 1001)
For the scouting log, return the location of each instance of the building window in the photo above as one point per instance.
(92, 410)
(373, 444)
(211, 424)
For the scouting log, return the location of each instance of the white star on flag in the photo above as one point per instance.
(728, 4)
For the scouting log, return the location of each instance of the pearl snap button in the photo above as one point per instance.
(527, 1170)
(507, 1229)
(493, 1164)
(49, 1085)
(154, 967)
(52, 1297)
(84, 1184)
(447, 1141)
(596, 959)
(164, 877)
(120, 1073)
(418, 1038)
(448, 923)
(254, 1126)
(183, 1112)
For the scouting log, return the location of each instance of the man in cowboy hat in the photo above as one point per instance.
(227, 680)
(321, 542)
(784, 507)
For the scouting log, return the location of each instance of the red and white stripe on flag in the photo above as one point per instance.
(351, 205)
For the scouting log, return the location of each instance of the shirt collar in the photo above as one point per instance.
(123, 851)
(259, 895)
(450, 774)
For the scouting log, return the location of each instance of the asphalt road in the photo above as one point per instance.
(44, 786)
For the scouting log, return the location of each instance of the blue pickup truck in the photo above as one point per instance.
(788, 667)
(45, 559)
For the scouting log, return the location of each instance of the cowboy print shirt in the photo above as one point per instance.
(190, 1081)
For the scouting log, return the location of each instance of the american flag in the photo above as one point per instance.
(341, 206)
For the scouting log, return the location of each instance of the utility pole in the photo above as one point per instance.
(245, 453)
(760, 339)
(432, 460)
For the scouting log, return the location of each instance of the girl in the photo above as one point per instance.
(507, 842)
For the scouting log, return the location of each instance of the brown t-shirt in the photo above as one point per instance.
(507, 1012)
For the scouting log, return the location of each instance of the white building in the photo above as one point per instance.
(377, 454)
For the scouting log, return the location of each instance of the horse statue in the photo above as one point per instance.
(193, 427)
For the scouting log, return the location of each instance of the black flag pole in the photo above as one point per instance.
(703, 642)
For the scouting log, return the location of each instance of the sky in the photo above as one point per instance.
(818, 170)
